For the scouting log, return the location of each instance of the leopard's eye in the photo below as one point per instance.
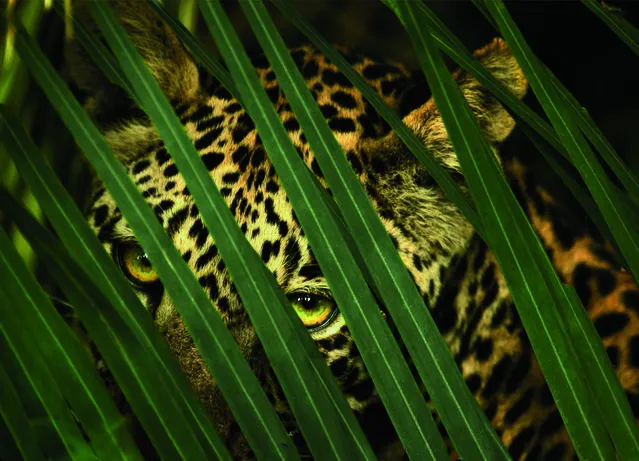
(315, 311)
(135, 265)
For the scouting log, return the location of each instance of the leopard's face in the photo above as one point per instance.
(425, 226)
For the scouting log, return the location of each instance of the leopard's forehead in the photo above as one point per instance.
(232, 151)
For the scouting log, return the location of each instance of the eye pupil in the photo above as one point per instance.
(143, 260)
(315, 311)
(136, 265)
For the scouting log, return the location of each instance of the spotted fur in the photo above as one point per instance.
(455, 272)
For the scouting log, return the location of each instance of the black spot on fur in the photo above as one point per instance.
(180, 109)
(390, 86)
(298, 56)
(271, 215)
(209, 282)
(282, 228)
(344, 99)
(342, 125)
(223, 304)
(490, 412)
(206, 258)
(97, 195)
(363, 390)
(310, 271)
(207, 139)
(196, 228)
(100, 215)
(258, 156)
(241, 157)
(170, 171)
(106, 231)
(552, 423)
(316, 168)
(414, 97)
(444, 313)
(376, 71)
(267, 251)
(202, 237)
(244, 127)
(520, 442)
(162, 156)
(150, 192)
(497, 377)
(338, 367)
(310, 70)
(274, 94)
(177, 220)
(606, 281)
(291, 125)
(521, 370)
(519, 407)
(483, 349)
(580, 278)
(417, 262)
(331, 77)
(500, 315)
(230, 178)
(140, 166)
(613, 355)
(473, 382)
(200, 113)
(368, 129)
(356, 164)
(212, 160)
(143, 180)
(233, 108)
(328, 111)
(611, 323)
(205, 125)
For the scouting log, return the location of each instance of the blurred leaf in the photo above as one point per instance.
(22, 292)
(624, 30)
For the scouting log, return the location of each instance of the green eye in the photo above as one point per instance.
(315, 311)
(135, 264)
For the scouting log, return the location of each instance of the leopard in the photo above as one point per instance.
(453, 268)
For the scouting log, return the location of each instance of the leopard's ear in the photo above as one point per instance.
(403, 187)
(170, 64)
(494, 121)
